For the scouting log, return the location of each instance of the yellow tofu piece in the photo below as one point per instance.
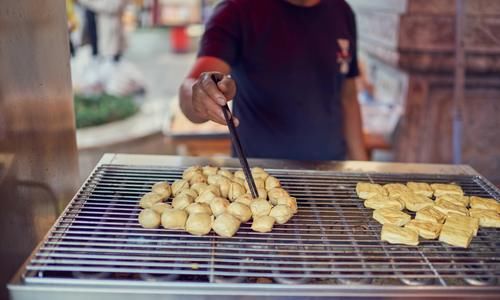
(487, 218)
(455, 236)
(441, 189)
(420, 188)
(485, 203)
(415, 202)
(366, 190)
(426, 229)
(430, 214)
(447, 207)
(396, 189)
(379, 201)
(391, 216)
(399, 235)
(463, 222)
(456, 199)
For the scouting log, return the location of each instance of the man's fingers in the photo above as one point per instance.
(211, 89)
(215, 112)
(228, 87)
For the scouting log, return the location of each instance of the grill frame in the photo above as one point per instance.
(360, 288)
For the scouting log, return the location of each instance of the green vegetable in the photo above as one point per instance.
(102, 109)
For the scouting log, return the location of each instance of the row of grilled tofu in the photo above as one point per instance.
(441, 211)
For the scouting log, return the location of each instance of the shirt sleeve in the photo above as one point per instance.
(353, 66)
(222, 37)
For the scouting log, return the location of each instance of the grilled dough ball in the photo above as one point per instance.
(149, 199)
(190, 192)
(281, 213)
(199, 223)
(209, 170)
(174, 219)
(198, 178)
(235, 190)
(260, 207)
(205, 197)
(263, 224)
(240, 211)
(160, 207)
(198, 208)
(288, 201)
(226, 225)
(219, 205)
(259, 184)
(271, 183)
(275, 194)
(198, 187)
(189, 172)
(163, 189)
(179, 185)
(182, 201)
(148, 218)
(245, 199)
(225, 173)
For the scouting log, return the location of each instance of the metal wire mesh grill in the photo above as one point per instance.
(332, 240)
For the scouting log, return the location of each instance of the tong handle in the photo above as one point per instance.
(237, 145)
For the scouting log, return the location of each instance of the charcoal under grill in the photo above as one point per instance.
(331, 247)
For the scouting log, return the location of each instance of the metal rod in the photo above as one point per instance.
(458, 93)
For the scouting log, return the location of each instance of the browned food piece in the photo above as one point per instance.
(263, 224)
(455, 236)
(420, 188)
(174, 219)
(447, 207)
(396, 189)
(441, 189)
(240, 211)
(182, 201)
(456, 199)
(290, 202)
(487, 218)
(281, 213)
(178, 186)
(163, 189)
(160, 207)
(391, 216)
(219, 205)
(415, 202)
(275, 194)
(463, 222)
(149, 219)
(199, 224)
(485, 203)
(190, 172)
(366, 190)
(399, 235)
(380, 201)
(150, 199)
(430, 214)
(426, 229)
(271, 183)
(226, 225)
(260, 207)
(198, 208)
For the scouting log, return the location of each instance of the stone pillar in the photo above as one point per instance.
(408, 46)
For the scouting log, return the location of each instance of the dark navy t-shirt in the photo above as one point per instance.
(289, 63)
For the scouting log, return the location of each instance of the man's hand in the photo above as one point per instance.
(208, 97)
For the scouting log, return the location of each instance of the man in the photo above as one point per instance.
(292, 66)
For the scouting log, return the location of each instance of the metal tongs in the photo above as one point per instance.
(237, 145)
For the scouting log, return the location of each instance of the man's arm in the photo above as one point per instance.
(353, 128)
(200, 97)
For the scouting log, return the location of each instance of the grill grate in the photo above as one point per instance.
(332, 240)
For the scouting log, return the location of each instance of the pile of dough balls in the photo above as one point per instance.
(209, 198)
